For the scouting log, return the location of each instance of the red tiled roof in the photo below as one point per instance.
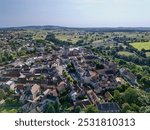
(19, 86)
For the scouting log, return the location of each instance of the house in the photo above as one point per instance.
(108, 96)
(93, 97)
(87, 76)
(108, 107)
(28, 107)
(52, 99)
(90, 57)
(30, 49)
(73, 95)
(48, 99)
(26, 71)
(61, 87)
(11, 85)
(120, 80)
(52, 92)
(128, 76)
(65, 52)
(37, 71)
(26, 96)
(35, 90)
(19, 88)
(22, 79)
(40, 49)
(3, 81)
(74, 51)
(13, 72)
(84, 103)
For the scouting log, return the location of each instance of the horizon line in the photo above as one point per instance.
(61, 26)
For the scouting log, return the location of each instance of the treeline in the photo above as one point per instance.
(134, 59)
(5, 56)
(142, 73)
(125, 39)
(51, 37)
(132, 99)
(140, 58)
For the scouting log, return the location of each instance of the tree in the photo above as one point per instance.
(22, 51)
(11, 101)
(91, 109)
(69, 65)
(125, 107)
(100, 66)
(145, 109)
(69, 78)
(145, 81)
(131, 95)
(123, 87)
(77, 109)
(74, 82)
(117, 96)
(57, 107)
(139, 76)
(122, 62)
(120, 48)
(135, 107)
(64, 73)
(50, 108)
(2, 94)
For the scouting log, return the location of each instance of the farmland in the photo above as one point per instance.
(141, 45)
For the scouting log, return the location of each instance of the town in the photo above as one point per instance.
(65, 78)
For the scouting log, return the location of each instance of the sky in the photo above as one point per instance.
(75, 13)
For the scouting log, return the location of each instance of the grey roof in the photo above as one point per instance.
(108, 107)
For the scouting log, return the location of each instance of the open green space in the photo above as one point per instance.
(141, 45)
(148, 54)
(126, 53)
(69, 38)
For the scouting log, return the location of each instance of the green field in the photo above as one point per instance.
(69, 38)
(126, 53)
(148, 54)
(141, 45)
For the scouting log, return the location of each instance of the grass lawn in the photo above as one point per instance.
(148, 54)
(141, 45)
(125, 53)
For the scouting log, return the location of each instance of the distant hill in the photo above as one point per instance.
(103, 29)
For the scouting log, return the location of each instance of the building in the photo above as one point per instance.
(108, 107)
